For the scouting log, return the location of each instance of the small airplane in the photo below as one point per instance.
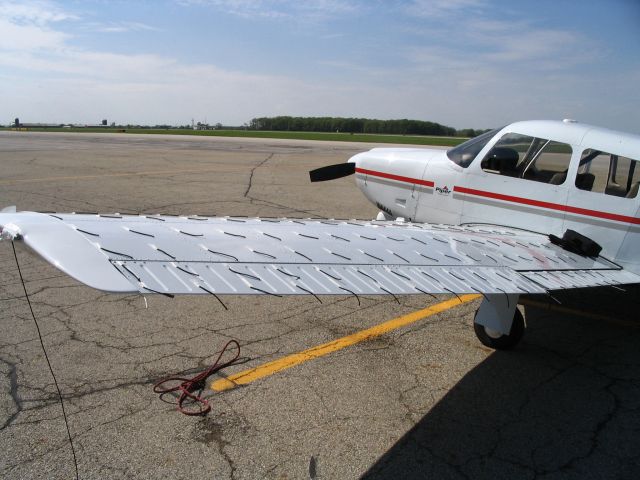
(530, 208)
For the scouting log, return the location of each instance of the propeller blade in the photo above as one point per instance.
(331, 172)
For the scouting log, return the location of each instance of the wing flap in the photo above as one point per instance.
(561, 280)
(301, 279)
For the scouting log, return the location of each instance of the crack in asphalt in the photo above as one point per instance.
(253, 171)
(280, 206)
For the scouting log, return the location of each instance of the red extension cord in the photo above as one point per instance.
(188, 386)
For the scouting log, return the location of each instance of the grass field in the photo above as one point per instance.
(339, 137)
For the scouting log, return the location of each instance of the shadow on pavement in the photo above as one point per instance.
(564, 404)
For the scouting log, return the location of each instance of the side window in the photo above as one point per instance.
(530, 158)
(607, 173)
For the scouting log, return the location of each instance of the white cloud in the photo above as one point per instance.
(244, 8)
(502, 46)
(120, 27)
(520, 42)
(16, 37)
(33, 12)
(25, 26)
(314, 10)
(441, 8)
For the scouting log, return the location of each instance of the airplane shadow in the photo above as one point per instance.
(564, 404)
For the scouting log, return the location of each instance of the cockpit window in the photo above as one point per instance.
(464, 153)
(530, 158)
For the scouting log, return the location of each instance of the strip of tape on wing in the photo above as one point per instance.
(65, 248)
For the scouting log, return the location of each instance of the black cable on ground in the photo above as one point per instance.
(44, 350)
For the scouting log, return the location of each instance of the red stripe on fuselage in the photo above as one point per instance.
(509, 198)
(391, 176)
(551, 206)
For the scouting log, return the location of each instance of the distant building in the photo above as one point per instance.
(203, 126)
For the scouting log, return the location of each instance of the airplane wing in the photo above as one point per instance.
(269, 256)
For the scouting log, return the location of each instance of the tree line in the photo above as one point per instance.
(358, 125)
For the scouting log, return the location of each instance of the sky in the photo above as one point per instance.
(462, 63)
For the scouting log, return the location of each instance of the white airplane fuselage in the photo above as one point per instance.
(426, 185)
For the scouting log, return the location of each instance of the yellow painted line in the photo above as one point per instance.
(269, 368)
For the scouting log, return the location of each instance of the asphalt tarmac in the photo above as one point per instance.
(423, 400)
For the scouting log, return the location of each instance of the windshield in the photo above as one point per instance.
(464, 153)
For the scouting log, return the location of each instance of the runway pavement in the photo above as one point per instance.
(423, 399)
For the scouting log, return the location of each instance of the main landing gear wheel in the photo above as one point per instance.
(494, 339)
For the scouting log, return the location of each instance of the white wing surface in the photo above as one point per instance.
(231, 255)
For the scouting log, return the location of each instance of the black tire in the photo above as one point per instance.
(504, 342)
